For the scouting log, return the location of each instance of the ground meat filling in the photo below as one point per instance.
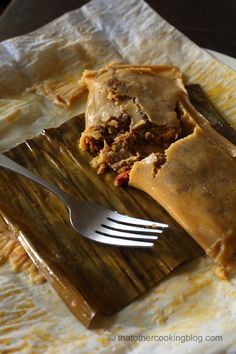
(97, 135)
(118, 144)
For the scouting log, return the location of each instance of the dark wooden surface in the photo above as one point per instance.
(210, 23)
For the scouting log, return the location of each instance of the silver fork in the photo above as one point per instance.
(92, 220)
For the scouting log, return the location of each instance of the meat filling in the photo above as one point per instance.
(117, 146)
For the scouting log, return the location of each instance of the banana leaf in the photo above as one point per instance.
(90, 277)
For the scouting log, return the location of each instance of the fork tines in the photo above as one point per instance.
(127, 228)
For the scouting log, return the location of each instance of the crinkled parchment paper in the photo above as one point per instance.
(192, 301)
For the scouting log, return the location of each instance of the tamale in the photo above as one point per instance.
(176, 157)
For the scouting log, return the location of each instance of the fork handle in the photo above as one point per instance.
(11, 165)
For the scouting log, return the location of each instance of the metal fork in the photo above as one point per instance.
(92, 220)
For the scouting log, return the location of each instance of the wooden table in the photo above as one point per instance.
(210, 23)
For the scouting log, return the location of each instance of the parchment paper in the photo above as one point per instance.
(192, 301)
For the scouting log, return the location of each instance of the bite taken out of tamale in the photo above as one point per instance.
(141, 124)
